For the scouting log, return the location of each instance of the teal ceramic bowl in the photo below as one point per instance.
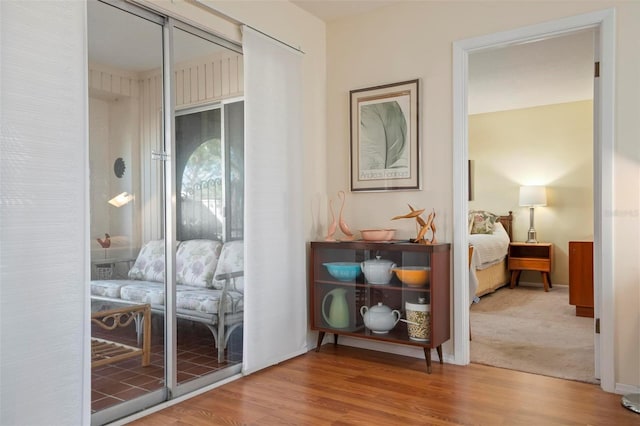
(344, 271)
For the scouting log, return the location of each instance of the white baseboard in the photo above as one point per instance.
(623, 389)
(540, 285)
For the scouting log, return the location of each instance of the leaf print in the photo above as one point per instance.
(383, 138)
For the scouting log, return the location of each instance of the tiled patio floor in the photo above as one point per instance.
(125, 380)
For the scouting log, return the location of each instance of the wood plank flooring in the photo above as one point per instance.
(341, 385)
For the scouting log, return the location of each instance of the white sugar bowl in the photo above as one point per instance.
(378, 271)
(380, 318)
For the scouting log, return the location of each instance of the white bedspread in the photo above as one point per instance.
(489, 249)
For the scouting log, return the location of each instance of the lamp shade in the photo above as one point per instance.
(533, 196)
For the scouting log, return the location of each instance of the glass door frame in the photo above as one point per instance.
(171, 357)
(161, 395)
(171, 389)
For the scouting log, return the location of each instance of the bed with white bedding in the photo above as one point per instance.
(488, 267)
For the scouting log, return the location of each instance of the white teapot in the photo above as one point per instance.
(380, 318)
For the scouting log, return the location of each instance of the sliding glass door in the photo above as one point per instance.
(166, 193)
(126, 196)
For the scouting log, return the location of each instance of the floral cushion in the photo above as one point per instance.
(482, 222)
(148, 292)
(231, 260)
(109, 288)
(196, 261)
(149, 265)
(207, 301)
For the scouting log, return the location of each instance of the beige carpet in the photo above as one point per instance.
(529, 330)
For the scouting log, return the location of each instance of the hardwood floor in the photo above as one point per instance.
(343, 385)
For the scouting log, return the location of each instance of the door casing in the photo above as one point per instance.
(604, 22)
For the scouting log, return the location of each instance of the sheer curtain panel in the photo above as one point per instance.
(275, 323)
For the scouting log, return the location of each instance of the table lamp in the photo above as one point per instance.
(532, 196)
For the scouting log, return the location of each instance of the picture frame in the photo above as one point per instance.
(385, 152)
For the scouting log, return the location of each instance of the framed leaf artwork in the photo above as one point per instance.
(384, 137)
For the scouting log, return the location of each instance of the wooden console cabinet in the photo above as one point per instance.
(581, 277)
(359, 292)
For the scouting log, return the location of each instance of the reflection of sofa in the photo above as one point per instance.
(209, 284)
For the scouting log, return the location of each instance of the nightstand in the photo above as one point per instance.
(530, 257)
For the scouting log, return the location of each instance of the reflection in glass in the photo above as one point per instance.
(209, 209)
(125, 70)
(200, 173)
(127, 201)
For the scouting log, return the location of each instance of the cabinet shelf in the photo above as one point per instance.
(397, 335)
(359, 292)
(392, 286)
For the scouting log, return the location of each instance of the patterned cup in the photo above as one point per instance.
(420, 315)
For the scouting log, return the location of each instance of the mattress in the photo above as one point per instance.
(488, 270)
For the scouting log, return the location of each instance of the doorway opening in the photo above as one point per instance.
(531, 127)
(603, 22)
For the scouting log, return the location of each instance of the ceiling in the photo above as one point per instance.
(110, 29)
(331, 10)
(551, 71)
(554, 70)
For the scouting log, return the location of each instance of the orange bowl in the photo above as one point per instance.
(377, 234)
(414, 276)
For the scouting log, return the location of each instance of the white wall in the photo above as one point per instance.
(414, 40)
(43, 214)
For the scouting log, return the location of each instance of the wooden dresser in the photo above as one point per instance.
(581, 277)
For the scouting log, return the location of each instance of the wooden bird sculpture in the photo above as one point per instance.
(423, 226)
(104, 242)
(433, 229)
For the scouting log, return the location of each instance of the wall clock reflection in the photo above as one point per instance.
(119, 167)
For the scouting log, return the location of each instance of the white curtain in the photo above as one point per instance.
(275, 323)
(44, 354)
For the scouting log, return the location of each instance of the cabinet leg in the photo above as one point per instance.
(320, 339)
(335, 339)
(439, 350)
(427, 357)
